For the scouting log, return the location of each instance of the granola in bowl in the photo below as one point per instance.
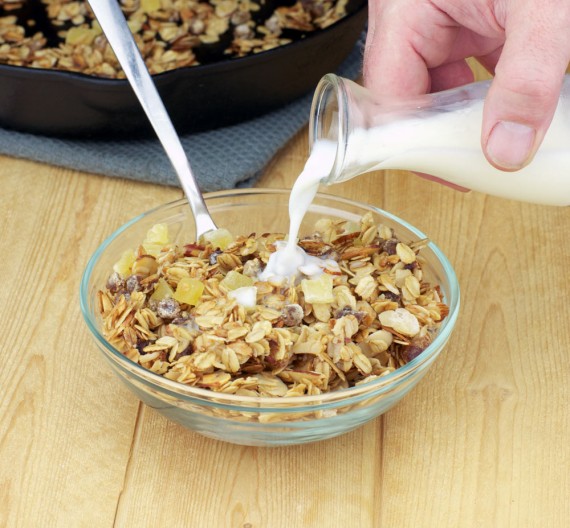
(275, 342)
(199, 313)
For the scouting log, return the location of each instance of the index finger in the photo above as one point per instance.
(398, 29)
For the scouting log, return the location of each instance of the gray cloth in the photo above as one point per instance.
(229, 157)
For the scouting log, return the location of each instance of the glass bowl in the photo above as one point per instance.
(263, 421)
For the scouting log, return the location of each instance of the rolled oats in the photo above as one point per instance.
(169, 33)
(283, 345)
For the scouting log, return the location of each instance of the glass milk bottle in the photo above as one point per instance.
(437, 134)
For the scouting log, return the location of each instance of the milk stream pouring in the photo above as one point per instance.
(437, 134)
(351, 133)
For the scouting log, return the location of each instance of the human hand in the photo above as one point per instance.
(420, 46)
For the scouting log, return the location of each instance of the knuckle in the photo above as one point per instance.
(531, 95)
(537, 88)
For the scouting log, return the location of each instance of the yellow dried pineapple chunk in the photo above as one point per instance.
(189, 291)
(125, 264)
(319, 290)
(162, 290)
(158, 234)
(234, 280)
(156, 238)
(219, 238)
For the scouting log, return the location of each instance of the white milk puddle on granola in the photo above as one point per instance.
(290, 261)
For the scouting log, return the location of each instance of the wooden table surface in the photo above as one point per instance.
(481, 442)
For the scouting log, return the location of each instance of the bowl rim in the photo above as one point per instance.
(274, 404)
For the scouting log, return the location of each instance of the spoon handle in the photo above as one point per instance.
(118, 33)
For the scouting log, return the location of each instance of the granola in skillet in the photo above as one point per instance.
(169, 33)
(198, 313)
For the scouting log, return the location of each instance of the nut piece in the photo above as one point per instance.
(401, 321)
(144, 266)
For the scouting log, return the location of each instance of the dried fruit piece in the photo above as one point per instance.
(218, 238)
(124, 265)
(319, 290)
(412, 352)
(115, 283)
(292, 315)
(133, 283)
(156, 238)
(168, 308)
(189, 291)
(162, 290)
(234, 280)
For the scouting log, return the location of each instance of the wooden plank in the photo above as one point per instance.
(474, 433)
(203, 482)
(482, 440)
(66, 423)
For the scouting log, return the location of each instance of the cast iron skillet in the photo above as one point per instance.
(198, 98)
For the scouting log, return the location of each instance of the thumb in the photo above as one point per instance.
(528, 78)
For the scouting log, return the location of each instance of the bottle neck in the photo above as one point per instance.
(329, 120)
(340, 107)
(344, 113)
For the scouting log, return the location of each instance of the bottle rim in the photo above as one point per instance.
(329, 120)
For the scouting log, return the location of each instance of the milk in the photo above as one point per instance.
(290, 262)
(447, 145)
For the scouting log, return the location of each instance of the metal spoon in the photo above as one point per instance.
(120, 38)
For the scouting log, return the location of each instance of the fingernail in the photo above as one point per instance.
(510, 144)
